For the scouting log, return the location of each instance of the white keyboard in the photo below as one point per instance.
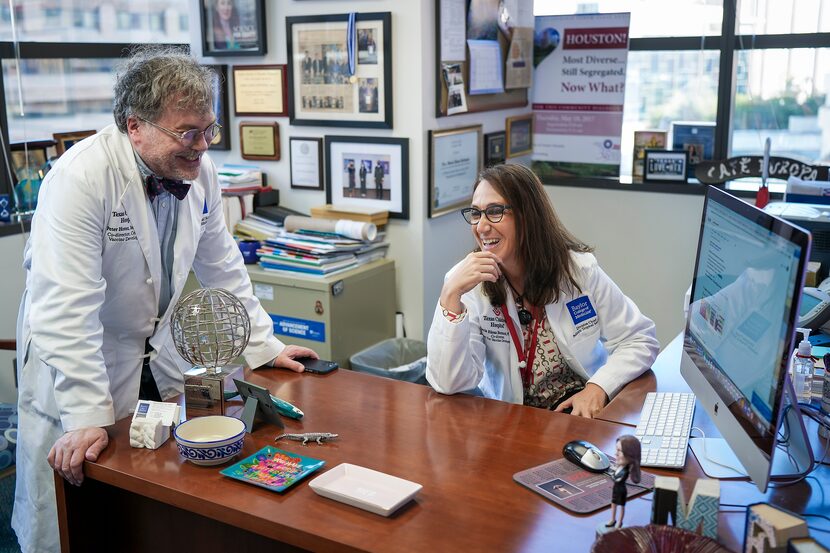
(663, 431)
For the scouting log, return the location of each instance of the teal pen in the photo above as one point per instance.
(285, 408)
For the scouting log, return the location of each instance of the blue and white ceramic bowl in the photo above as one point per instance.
(210, 440)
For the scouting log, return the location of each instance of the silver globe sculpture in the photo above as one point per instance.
(210, 328)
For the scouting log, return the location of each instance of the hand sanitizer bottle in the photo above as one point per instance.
(803, 368)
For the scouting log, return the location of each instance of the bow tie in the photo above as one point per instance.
(155, 186)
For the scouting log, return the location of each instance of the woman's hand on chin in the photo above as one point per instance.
(476, 268)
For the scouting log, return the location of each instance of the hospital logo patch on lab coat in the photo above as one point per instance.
(583, 314)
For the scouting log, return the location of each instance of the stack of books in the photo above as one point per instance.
(240, 179)
(318, 253)
(263, 224)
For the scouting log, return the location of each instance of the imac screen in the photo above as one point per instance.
(740, 325)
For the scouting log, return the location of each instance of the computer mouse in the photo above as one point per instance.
(586, 455)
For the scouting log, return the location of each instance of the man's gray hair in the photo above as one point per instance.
(154, 78)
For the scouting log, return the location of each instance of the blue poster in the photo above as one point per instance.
(299, 328)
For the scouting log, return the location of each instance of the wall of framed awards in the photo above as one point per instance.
(296, 102)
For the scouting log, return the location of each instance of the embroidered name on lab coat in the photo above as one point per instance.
(493, 327)
(204, 214)
(583, 314)
(119, 228)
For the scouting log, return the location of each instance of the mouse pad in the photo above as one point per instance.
(576, 489)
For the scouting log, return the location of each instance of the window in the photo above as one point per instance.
(758, 70)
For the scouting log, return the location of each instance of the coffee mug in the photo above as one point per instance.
(248, 249)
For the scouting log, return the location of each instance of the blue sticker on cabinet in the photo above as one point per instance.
(299, 328)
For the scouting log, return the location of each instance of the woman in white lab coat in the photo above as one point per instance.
(94, 275)
(529, 317)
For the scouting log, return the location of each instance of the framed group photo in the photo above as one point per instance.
(455, 160)
(368, 171)
(519, 135)
(260, 90)
(233, 27)
(330, 88)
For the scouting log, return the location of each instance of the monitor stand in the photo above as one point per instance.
(718, 461)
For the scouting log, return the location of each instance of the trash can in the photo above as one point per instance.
(398, 358)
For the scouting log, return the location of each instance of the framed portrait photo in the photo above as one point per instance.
(331, 87)
(368, 171)
(665, 165)
(519, 131)
(222, 140)
(233, 27)
(65, 140)
(455, 160)
(495, 147)
(306, 162)
(260, 90)
(259, 140)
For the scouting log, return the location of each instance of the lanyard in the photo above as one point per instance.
(525, 362)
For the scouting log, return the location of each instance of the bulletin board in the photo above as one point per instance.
(510, 98)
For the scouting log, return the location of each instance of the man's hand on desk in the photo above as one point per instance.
(285, 360)
(586, 403)
(68, 454)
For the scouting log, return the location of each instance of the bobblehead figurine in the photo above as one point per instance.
(627, 466)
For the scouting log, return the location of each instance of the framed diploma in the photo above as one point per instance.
(368, 171)
(260, 90)
(259, 140)
(306, 162)
(338, 82)
(455, 159)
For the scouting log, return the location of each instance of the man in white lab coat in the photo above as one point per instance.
(122, 218)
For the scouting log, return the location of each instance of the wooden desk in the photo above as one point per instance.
(463, 449)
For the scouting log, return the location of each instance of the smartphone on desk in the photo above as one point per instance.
(318, 366)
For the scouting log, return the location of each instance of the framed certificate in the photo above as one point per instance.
(260, 140)
(260, 90)
(306, 162)
(455, 159)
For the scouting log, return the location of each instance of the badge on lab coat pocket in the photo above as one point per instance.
(119, 227)
(583, 314)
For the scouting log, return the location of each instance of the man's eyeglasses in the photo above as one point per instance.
(187, 138)
(494, 213)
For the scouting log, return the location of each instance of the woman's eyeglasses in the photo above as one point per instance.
(187, 138)
(494, 213)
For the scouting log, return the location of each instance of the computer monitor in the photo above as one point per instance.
(738, 339)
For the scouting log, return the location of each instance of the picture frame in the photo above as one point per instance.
(65, 140)
(455, 160)
(519, 130)
(495, 148)
(652, 140)
(323, 92)
(665, 165)
(260, 90)
(222, 141)
(306, 162)
(259, 140)
(355, 159)
(233, 27)
(697, 138)
(30, 161)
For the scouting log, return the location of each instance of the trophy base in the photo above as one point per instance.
(204, 391)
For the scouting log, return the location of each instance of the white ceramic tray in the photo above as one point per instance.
(365, 488)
